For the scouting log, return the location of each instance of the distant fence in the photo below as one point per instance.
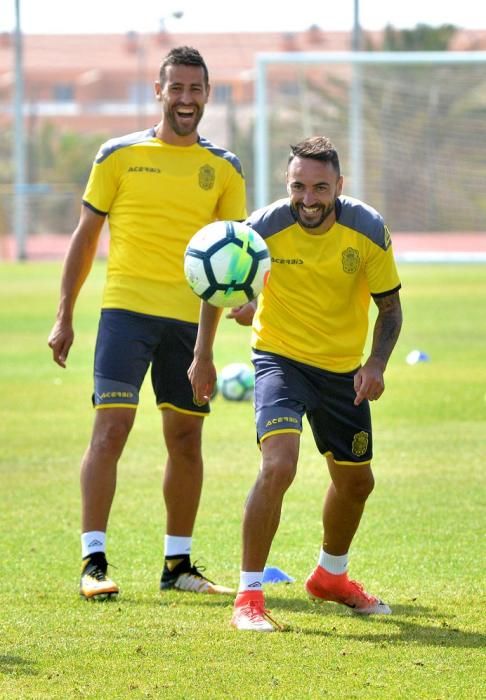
(48, 208)
(51, 215)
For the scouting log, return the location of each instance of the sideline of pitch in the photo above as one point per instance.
(409, 247)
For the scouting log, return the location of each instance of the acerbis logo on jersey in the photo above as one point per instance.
(288, 261)
(142, 169)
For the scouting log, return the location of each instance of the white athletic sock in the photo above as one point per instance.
(177, 545)
(92, 541)
(333, 564)
(250, 581)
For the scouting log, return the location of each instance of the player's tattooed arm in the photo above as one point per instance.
(387, 326)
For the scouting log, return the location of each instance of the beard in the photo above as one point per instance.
(185, 128)
(324, 213)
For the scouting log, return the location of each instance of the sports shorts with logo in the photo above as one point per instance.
(127, 344)
(285, 390)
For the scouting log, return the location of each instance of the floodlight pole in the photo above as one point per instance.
(356, 113)
(19, 218)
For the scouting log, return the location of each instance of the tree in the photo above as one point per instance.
(421, 38)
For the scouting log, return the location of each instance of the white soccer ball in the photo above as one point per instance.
(227, 263)
(236, 382)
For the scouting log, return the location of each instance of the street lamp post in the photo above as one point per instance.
(141, 56)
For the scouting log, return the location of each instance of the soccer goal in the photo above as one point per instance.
(410, 128)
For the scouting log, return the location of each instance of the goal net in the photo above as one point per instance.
(410, 129)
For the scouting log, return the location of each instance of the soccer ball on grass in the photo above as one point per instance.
(226, 263)
(236, 382)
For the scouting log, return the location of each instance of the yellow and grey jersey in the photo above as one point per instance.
(156, 196)
(314, 307)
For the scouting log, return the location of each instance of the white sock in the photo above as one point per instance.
(177, 545)
(92, 541)
(333, 564)
(250, 581)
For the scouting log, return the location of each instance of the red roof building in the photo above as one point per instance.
(104, 83)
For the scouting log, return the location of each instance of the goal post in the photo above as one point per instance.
(395, 117)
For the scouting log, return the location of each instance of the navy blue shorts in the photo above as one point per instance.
(285, 390)
(127, 344)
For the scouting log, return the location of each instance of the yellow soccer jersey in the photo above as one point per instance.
(314, 307)
(156, 197)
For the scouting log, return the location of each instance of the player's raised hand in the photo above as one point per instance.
(243, 314)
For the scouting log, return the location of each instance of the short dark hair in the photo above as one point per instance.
(317, 148)
(184, 56)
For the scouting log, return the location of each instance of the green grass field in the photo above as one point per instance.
(420, 545)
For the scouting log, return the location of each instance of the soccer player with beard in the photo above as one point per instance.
(330, 255)
(157, 188)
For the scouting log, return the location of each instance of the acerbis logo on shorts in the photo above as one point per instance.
(360, 443)
(115, 395)
(281, 419)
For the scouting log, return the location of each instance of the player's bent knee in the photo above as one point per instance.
(277, 473)
(359, 488)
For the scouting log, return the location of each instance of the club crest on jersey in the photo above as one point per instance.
(350, 258)
(207, 177)
(360, 443)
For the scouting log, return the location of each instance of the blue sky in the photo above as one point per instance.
(106, 16)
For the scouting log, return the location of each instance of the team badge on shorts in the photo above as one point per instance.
(360, 443)
(350, 260)
(207, 177)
